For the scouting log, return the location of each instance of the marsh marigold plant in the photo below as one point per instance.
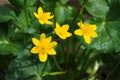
(43, 47)
(87, 31)
(43, 17)
(60, 40)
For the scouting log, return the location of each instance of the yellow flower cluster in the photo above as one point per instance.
(45, 47)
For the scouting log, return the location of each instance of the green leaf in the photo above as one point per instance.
(17, 3)
(34, 27)
(6, 13)
(108, 39)
(63, 14)
(64, 1)
(48, 2)
(9, 48)
(27, 67)
(97, 8)
(113, 17)
(7, 45)
(21, 21)
(109, 31)
(20, 3)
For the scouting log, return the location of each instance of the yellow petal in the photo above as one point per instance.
(57, 29)
(42, 37)
(51, 52)
(35, 41)
(47, 15)
(94, 34)
(62, 36)
(92, 27)
(68, 34)
(87, 39)
(65, 27)
(53, 44)
(41, 22)
(58, 26)
(80, 24)
(49, 39)
(35, 50)
(78, 32)
(48, 22)
(40, 11)
(43, 57)
(36, 15)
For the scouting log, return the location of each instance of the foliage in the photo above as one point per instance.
(75, 59)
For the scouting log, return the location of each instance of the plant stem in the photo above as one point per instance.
(26, 12)
(58, 66)
(107, 78)
(85, 62)
(44, 68)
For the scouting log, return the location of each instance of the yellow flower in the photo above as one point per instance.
(62, 31)
(43, 17)
(43, 47)
(87, 31)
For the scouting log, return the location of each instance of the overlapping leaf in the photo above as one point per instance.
(63, 14)
(6, 13)
(26, 67)
(109, 31)
(97, 8)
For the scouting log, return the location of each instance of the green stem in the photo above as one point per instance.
(58, 66)
(74, 19)
(44, 68)
(26, 12)
(85, 62)
(107, 78)
(68, 52)
(80, 10)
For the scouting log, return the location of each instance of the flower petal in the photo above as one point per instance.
(35, 41)
(87, 39)
(43, 57)
(51, 52)
(94, 34)
(47, 15)
(58, 26)
(42, 37)
(35, 50)
(93, 27)
(40, 11)
(36, 15)
(78, 32)
(49, 39)
(68, 34)
(65, 27)
(80, 24)
(52, 44)
(48, 22)
(41, 21)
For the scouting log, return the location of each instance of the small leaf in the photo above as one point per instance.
(63, 14)
(64, 1)
(108, 40)
(48, 2)
(6, 13)
(9, 48)
(21, 21)
(27, 67)
(97, 8)
(17, 3)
